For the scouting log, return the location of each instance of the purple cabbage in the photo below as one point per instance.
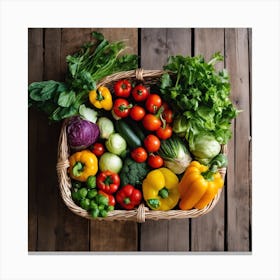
(81, 133)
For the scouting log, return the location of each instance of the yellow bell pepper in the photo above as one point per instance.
(198, 186)
(82, 165)
(160, 189)
(101, 98)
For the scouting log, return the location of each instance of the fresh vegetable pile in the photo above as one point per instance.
(131, 142)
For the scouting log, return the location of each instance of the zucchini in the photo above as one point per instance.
(126, 131)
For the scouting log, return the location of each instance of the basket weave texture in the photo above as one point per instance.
(142, 213)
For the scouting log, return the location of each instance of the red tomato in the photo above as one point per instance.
(98, 149)
(164, 133)
(153, 103)
(139, 154)
(152, 143)
(151, 122)
(140, 93)
(155, 161)
(122, 88)
(121, 107)
(168, 115)
(137, 113)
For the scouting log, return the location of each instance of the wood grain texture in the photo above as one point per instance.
(118, 235)
(72, 232)
(156, 45)
(238, 221)
(208, 231)
(250, 143)
(48, 194)
(35, 73)
(53, 227)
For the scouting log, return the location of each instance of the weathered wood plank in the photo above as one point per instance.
(117, 235)
(238, 183)
(156, 45)
(72, 231)
(208, 231)
(250, 145)
(35, 73)
(47, 136)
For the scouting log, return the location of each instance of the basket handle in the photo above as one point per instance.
(139, 74)
(140, 215)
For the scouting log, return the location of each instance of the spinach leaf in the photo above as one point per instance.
(66, 98)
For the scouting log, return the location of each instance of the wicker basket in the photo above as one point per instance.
(142, 212)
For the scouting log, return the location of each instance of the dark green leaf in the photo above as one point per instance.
(66, 98)
(165, 81)
(47, 92)
(36, 85)
(63, 113)
(35, 94)
(97, 35)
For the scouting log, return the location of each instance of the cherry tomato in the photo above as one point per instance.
(137, 113)
(121, 107)
(153, 103)
(98, 149)
(164, 133)
(140, 93)
(168, 115)
(152, 143)
(151, 122)
(122, 88)
(155, 161)
(139, 154)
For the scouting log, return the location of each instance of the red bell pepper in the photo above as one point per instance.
(111, 199)
(108, 181)
(129, 197)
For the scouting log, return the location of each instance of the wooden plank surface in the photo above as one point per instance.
(208, 231)
(72, 232)
(238, 221)
(35, 73)
(52, 227)
(156, 45)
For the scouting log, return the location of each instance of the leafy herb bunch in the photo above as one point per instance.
(93, 62)
(200, 96)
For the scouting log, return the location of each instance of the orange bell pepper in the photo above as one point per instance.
(198, 186)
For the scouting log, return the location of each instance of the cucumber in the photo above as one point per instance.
(136, 128)
(126, 131)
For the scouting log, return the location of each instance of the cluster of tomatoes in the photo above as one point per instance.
(148, 108)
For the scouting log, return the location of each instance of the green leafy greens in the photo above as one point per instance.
(92, 63)
(200, 96)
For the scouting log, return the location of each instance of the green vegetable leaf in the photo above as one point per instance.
(42, 91)
(199, 94)
(86, 67)
(66, 98)
(97, 35)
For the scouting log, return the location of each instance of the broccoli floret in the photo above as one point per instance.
(133, 173)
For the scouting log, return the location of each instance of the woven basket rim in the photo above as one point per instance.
(141, 213)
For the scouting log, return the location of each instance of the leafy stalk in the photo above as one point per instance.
(92, 63)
